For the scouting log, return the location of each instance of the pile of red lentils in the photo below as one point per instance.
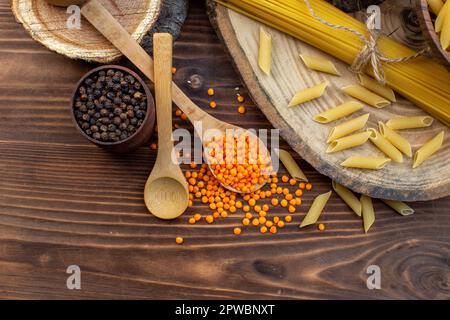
(255, 208)
(253, 205)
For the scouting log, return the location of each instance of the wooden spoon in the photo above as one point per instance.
(112, 30)
(166, 192)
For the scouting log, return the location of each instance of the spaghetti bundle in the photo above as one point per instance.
(424, 82)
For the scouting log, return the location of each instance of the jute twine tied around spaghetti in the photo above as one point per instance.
(370, 52)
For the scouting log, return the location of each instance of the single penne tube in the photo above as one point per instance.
(265, 51)
(401, 123)
(379, 89)
(367, 96)
(338, 112)
(368, 213)
(435, 6)
(348, 127)
(348, 142)
(445, 32)
(397, 140)
(349, 198)
(371, 163)
(428, 149)
(385, 146)
(399, 206)
(442, 16)
(316, 209)
(319, 64)
(291, 165)
(308, 94)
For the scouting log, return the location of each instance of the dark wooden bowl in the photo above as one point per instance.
(141, 136)
(439, 54)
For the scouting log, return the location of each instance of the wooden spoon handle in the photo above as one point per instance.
(162, 53)
(112, 30)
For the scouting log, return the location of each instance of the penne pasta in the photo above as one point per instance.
(435, 6)
(442, 16)
(348, 197)
(445, 32)
(291, 166)
(399, 206)
(308, 94)
(371, 163)
(348, 142)
(265, 51)
(348, 127)
(368, 213)
(379, 89)
(316, 209)
(428, 149)
(338, 112)
(424, 82)
(385, 146)
(397, 140)
(409, 122)
(320, 64)
(361, 93)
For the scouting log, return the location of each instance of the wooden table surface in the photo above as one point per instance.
(65, 202)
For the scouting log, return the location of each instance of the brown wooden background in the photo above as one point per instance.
(63, 202)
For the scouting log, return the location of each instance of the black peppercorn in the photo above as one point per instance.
(130, 114)
(140, 114)
(104, 136)
(104, 112)
(137, 95)
(123, 136)
(105, 120)
(117, 121)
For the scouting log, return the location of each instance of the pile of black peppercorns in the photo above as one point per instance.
(110, 105)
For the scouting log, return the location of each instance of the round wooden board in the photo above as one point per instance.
(47, 25)
(308, 138)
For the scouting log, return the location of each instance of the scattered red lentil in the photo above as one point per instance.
(241, 109)
(213, 104)
(210, 92)
(179, 240)
(321, 227)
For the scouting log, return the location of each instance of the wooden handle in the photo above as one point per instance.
(112, 30)
(162, 54)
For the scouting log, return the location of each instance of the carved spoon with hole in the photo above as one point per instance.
(112, 30)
